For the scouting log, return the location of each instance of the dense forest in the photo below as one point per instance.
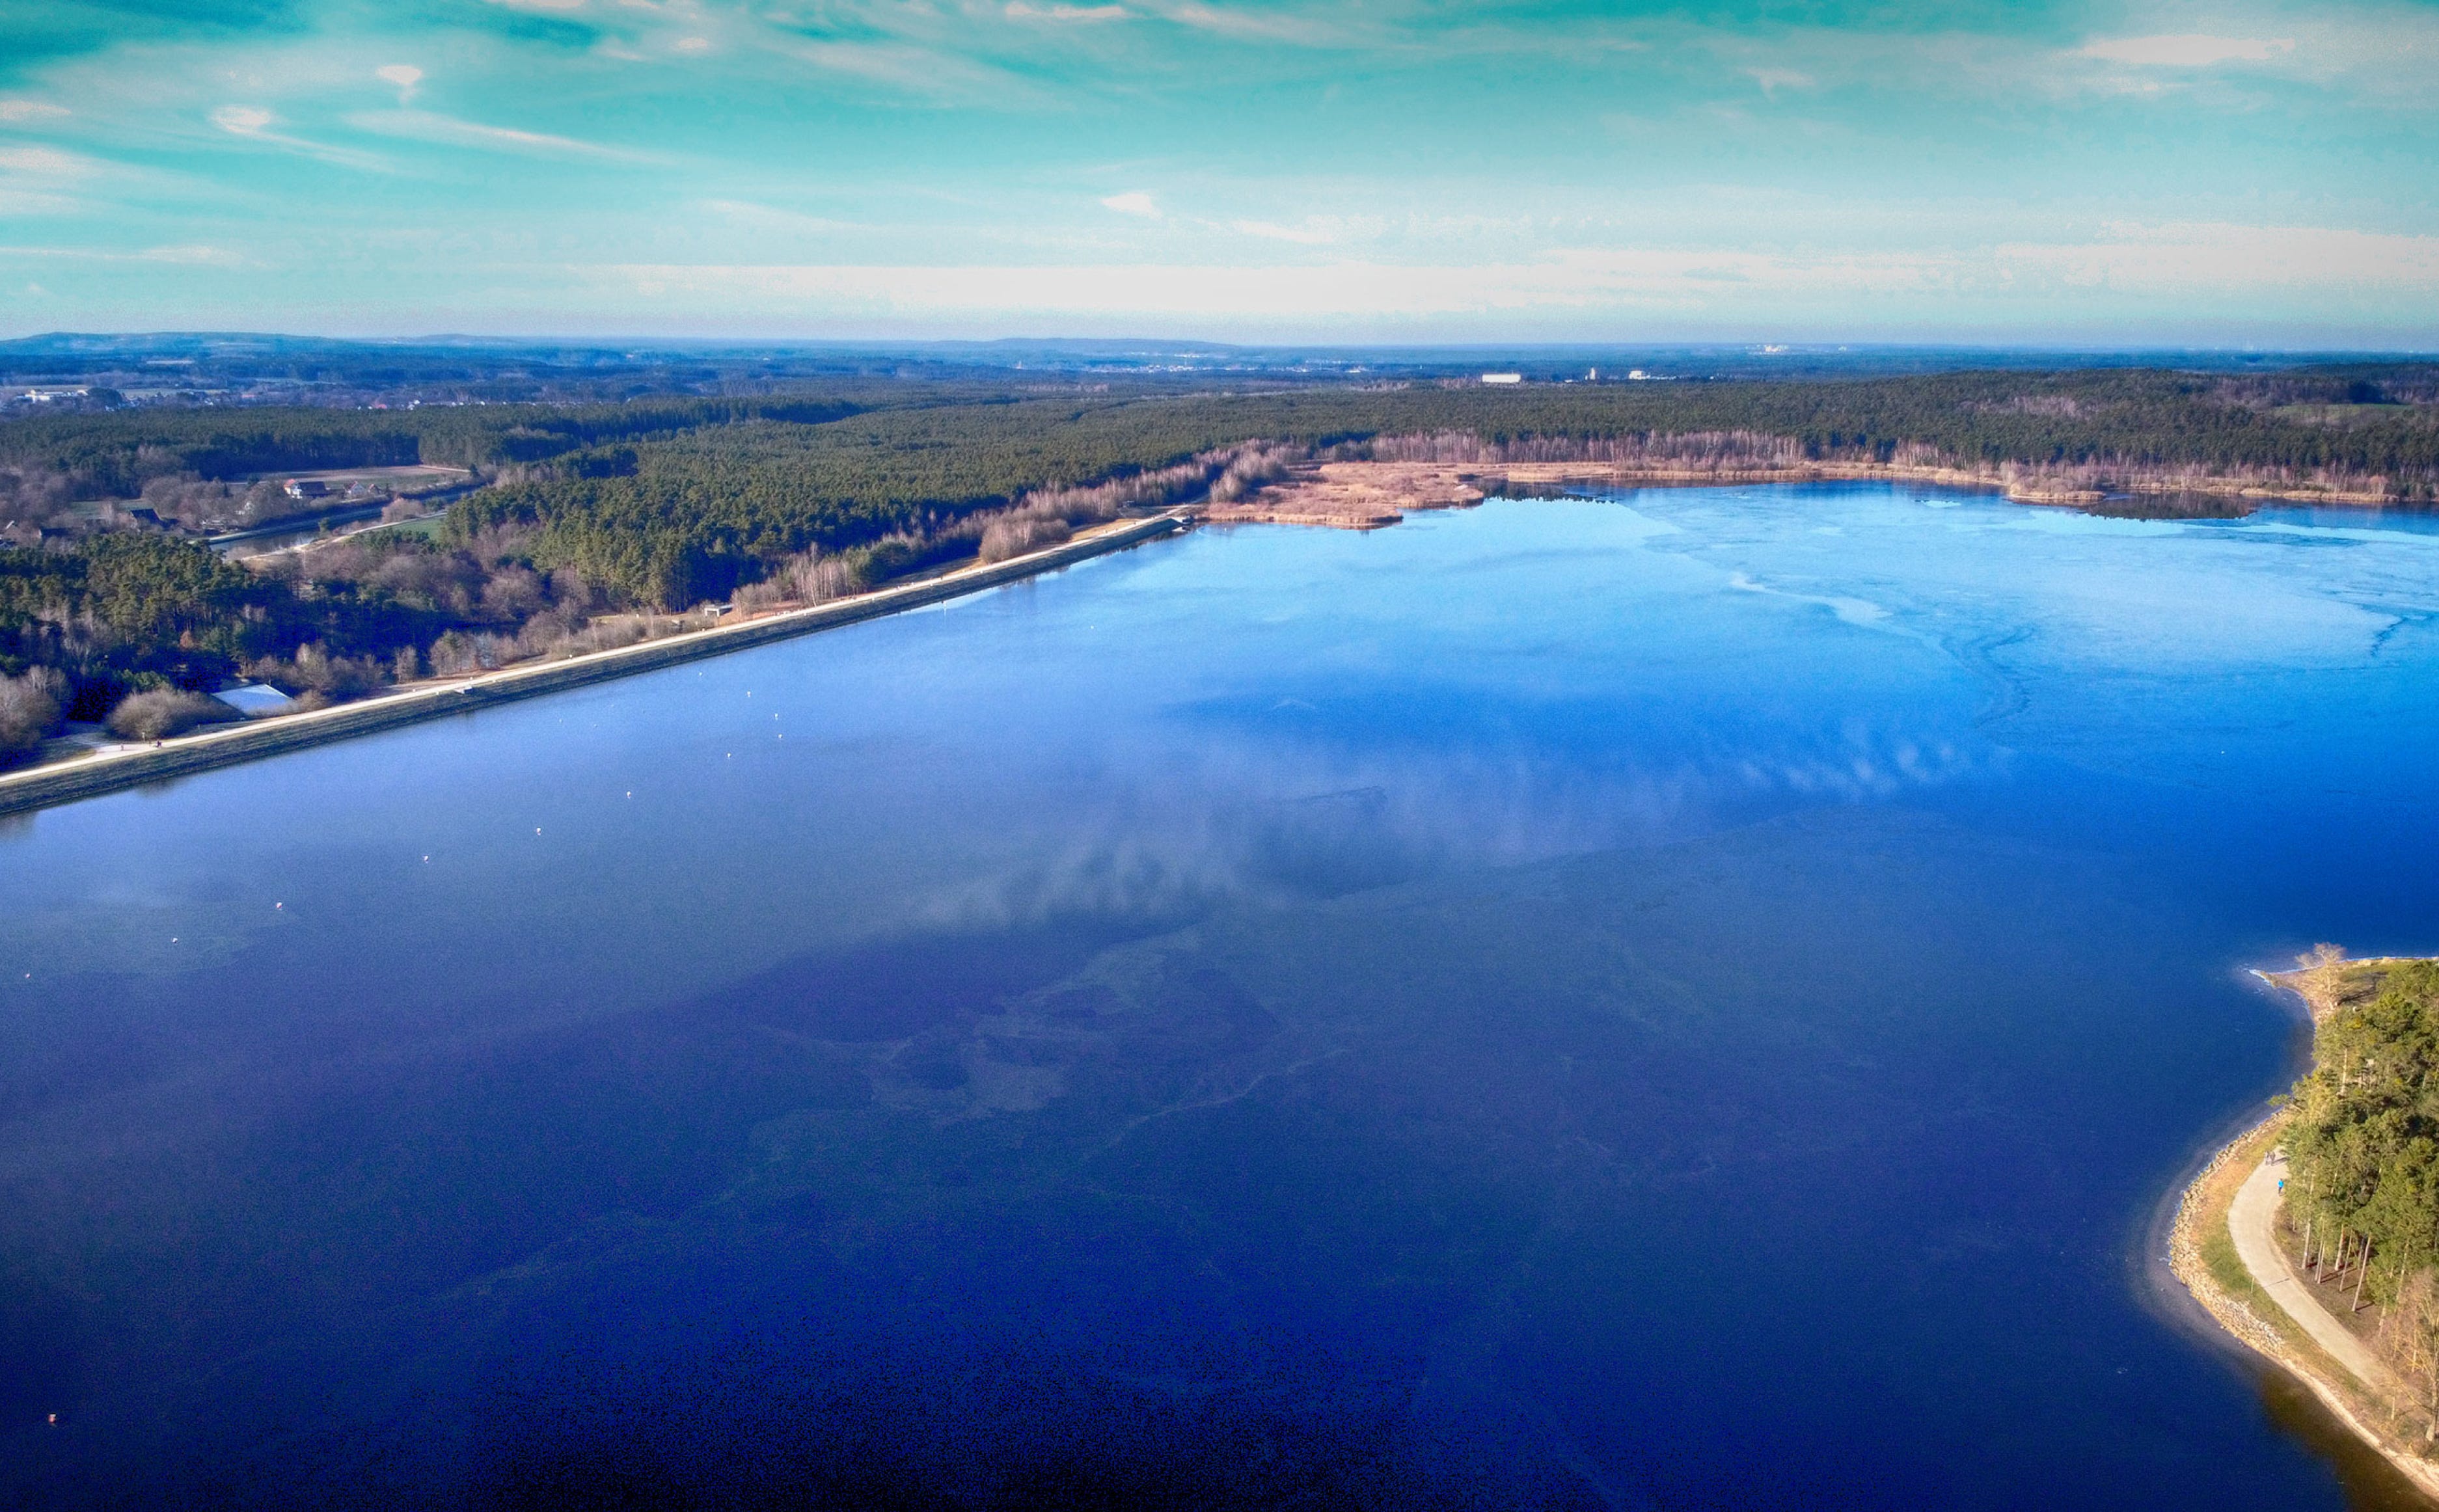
(2365, 422)
(2363, 1188)
(590, 511)
(88, 456)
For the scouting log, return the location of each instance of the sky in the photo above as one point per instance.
(1355, 170)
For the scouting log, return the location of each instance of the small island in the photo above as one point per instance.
(2314, 1237)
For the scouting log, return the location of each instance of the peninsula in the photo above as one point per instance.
(2314, 1237)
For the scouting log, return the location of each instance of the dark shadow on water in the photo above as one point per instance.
(2371, 1483)
(2172, 507)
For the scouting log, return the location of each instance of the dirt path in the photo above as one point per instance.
(2249, 1222)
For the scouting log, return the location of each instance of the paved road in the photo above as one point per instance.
(2249, 1223)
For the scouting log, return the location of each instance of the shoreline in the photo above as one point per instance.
(91, 776)
(2222, 1269)
(1350, 495)
(2026, 490)
(1369, 495)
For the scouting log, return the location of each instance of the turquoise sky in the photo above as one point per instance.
(1389, 170)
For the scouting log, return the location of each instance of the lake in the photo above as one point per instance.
(1687, 997)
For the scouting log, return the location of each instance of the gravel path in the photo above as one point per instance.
(2249, 1223)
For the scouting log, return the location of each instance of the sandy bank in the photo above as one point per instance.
(226, 745)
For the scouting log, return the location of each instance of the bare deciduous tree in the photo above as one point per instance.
(29, 710)
(161, 712)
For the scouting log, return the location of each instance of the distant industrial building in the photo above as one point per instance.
(1503, 377)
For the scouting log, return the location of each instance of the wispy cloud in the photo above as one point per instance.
(254, 123)
(938, 74)
(246, 120)
(1252, 27)
(193, 256)
(45, 162)
(1272, 231)
(2180, 257)
(187, 256)
(770, 218)
(1019, 10)
(2137, 262)
(44, 180)
(2187, 51)
(427, 126)
(1408, 160)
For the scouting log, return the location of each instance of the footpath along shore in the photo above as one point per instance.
(2224, 1247)
(113, 771)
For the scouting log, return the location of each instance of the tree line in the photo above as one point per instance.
(2362, 1146)
(48, 462)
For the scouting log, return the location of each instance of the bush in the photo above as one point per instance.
(30, 710)
(313, 670)
(163, 712)
(1019, 534)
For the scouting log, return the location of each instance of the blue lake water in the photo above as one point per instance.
(1690, 998)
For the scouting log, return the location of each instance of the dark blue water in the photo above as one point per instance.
(1685, 1000)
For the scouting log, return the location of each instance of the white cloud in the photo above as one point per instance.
(1136, 202)
(405, 76)
(253, 122)
(1773, 80)
(189, 256)
(192, 257)
(2122, 268)
(36, 180)
(1018, 10)
(694, 45)
(2184, 257)
(244, 120)
(542, 5)
(45, 162)
(1249, 26)
(770, 218)
(1307, 236)
(29, 110)
(2188, 50)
